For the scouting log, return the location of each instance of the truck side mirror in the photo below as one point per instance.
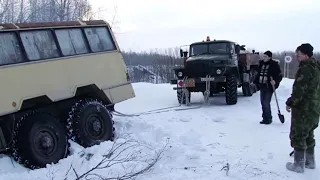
(181, 53)
(185, 54)
(237, 48)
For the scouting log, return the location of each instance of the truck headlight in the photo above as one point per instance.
(218, 71)
(180, 74)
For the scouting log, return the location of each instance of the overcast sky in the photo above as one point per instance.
(264, 25)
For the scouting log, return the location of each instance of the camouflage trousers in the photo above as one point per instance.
(303, 124)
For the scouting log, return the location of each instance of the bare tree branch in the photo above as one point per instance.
(13, 11)
(128, 155)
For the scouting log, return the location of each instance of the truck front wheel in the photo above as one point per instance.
(231, 91)
(182, 99)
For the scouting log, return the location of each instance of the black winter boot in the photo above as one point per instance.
(299, 162)
(266, 121)
(310, 161)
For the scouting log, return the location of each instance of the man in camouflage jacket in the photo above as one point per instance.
(304, 105)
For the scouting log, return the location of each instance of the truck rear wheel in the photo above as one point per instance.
(231, 91)
(255, 89)
(182, 98)
(39, 139)
(90, 123)
(247, 89)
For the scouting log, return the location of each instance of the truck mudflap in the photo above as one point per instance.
(246, 78)
(174, 81)
(192, 82)
(3, 142)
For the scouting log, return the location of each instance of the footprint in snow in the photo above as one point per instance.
(218, 119)
(214, 145)
(184, 120)
(270, 156)
(192, 156)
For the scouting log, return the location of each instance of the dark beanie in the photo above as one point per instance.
(268, 53)
(306, 49)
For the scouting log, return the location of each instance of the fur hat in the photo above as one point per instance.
(306, 48)
(268, 53)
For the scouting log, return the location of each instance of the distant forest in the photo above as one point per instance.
(161, 62)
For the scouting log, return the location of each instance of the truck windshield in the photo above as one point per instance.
(207, 48)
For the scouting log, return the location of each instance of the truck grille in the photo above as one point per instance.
(201, 69)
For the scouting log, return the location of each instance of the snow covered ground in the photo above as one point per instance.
(200, 141)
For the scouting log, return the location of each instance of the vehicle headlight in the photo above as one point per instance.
(180, 74)
(218, 71)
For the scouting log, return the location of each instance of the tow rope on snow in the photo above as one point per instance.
(185, 95)
(156, 111)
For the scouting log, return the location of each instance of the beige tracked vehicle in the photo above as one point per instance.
(59, 81)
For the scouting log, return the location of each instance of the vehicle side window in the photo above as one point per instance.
(71, 41)
(10, 50)
(232, 49)
(99, 39)
(39, 44)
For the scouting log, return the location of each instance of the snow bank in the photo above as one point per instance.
(201, 141)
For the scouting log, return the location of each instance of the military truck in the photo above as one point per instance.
(216, 66)
(59, 81)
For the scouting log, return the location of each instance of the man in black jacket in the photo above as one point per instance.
(269, 73)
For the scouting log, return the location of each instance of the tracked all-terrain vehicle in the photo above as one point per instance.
(59, 81)
(216, 66)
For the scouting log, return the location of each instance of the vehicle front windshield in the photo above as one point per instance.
(207, 48)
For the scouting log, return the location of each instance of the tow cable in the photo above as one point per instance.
(171, 108)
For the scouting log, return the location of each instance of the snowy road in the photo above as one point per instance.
(201, 141)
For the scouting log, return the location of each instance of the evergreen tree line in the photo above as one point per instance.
(162, 62)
